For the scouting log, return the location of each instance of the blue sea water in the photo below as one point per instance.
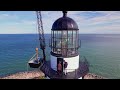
(101, 50)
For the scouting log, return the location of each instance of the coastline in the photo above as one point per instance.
(93, 76)
(35, 74)
(24, 75)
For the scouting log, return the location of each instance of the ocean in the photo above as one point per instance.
(101, 50)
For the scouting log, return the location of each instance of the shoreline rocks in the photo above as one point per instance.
(24, 75)
(39, 75)
(93, 76)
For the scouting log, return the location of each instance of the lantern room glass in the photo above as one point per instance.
(65, 42)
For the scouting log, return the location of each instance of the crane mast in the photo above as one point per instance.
(41, 33)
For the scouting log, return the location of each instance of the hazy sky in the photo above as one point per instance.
(15, 22)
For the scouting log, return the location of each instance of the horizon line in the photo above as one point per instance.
(50, 33)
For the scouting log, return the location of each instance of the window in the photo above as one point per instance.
(65, 42)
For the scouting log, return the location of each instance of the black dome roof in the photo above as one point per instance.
(65, 23)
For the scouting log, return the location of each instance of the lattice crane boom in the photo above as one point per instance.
(41, 33)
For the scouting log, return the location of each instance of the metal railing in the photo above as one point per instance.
(33, 57)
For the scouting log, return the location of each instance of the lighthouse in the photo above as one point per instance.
(65, 46)
(65, 43)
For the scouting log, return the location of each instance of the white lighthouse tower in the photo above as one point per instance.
(64, 45)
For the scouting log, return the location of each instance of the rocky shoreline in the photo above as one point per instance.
(24, 75)
(39, 75)
(93, 76)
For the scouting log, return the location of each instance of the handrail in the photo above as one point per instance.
(32, 57)
(65, 69)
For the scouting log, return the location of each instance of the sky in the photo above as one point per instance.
(89, 22)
